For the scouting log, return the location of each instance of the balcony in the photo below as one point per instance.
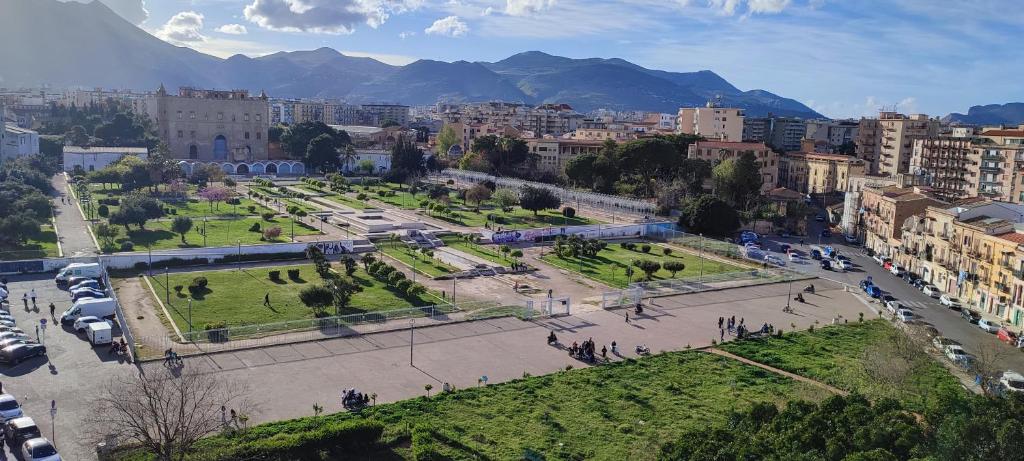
(1019, 274)
(991, 168)
(995, 157)
(1002, 287)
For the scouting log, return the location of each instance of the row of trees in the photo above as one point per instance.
(636, 168)
(24, 205)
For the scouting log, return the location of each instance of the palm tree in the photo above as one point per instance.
(348, 155)
(367, 259)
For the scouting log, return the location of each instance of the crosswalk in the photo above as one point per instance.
(919, 304)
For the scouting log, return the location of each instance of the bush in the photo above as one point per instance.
(103, 210)
(292, 209)
(271, 233)
(267, 216)
(251, 208)
(645, 248)
(403, 285)
(127, 245)
(361, 196)
(255, 227)
(217, 332)
(178, 288)
(293, 274)
(109, 201)
(666, 251)
(569, 212)
(197, 285)
(274, 275)
(395, 277)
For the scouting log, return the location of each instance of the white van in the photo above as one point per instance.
(92, 270)
(96, 307)
(99, 333)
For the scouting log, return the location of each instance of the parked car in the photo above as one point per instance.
(957, 354)
(7, 329)
(8, 318)
(815, 254)
(874, 291)
(951, 302)
(74, 270)
(864, 284)
(1011, 381)
(5, 343)
(39, 449)
(83, 322)
(970, 316)
(784, 248)
(87, 283)
(18, 430)
(887, 264)
(83, 293)
(826, 233)
(795, 255)
(844, 264)
(80, 280)
(9, 407)
(931, 290)
(20, 352)
(990, 326)
(893, 306)
(940, 342)
(919, 284)
(897, 270)
(13, 335)
(879, 259)
(850, 239)
(774, 260)
(886, 298)
(904, 315)
(1008, 337)
(826, 264)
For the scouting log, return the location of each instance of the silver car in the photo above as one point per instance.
(9, 407)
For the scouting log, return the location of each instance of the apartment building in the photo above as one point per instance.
(834, 132)
(852, 219)
(718, 151)
(948, 165)
(886, 144)
(885, 210)
(812, 172)
(554, 153)
(711, 122)
(601, 134)
(551, 119)
(377, 114)
(210, 125)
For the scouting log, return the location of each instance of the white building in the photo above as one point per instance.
(711, 122)
(18, 142)
(381, 159)
(97, 158)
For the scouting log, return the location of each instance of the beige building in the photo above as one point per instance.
(718, 151)
(554, 153)
(711, 122)
(948, 164)
(818, 173)
(210, 125)
(601, 134)
(886, 144)
(885, 210)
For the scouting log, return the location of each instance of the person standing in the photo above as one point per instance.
(24, 300)
(721, 320)
(721, 334)
(53, 310)
(33, 297)
(266, 300)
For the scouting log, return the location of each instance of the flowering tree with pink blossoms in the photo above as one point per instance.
(215, 194)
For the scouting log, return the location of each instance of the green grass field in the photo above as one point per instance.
(621, 411)
(610, 264)
(427, 266)
(45, 246)
(402, 198)
(194, 207)
(219, 232)
(236, 297)
(518, 218)
(848, 356)
(488, 252)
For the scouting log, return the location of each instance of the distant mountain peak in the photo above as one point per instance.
(1011, 113)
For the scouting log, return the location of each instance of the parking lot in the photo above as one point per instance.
(70, 375)
(926, 309)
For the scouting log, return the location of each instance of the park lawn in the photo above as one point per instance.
(610, 264)
(236, 297)
(625, 410)
(339, 198)
(219, 233)
(837, 355)
(427, 266)
(44, 246)
(193, 208)
(518, 218)
(488, 252)
(402, 198)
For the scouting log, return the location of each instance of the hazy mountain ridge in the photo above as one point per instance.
(991, 114)
(89, 45)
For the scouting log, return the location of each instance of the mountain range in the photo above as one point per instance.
(88, 45)
(991, 114)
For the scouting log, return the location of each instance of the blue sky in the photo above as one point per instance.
(845, 58)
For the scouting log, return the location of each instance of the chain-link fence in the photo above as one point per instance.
(695, 242)
(695, 284)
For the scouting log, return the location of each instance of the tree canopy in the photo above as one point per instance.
(406, 160)
(538, 198)
(322, 154)
(296, 140)
(738, 180)
(709, 215)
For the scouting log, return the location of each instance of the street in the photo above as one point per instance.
(947, 321)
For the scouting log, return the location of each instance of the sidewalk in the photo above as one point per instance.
(72, 229)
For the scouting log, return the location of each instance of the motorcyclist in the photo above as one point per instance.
(552, 339)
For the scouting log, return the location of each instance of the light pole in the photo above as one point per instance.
(293, 227)
(789, 296)
(454, 279)
(412, 331)
(167, 284)
(53, 417)
(189, 318)
(700, 278)
(239, 258)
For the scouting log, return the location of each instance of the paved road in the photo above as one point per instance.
(73, 231)
(948, 322)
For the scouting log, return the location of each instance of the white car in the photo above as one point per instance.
(950, 302)
(83, 322)
(931, 290)
(904, 315)
(7, 323)
(13, 334)
(1012, 381)
(893, 306)
(794, 256)
(39, 449)
(957, 354)
(8, 318)
(879, 259)
(990, 326)
(897, 270)
(774, 260)
(5, 329)
(9, 407)
(5, 343)
(940, 343)
(850, 239)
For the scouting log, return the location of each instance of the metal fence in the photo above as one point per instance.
(696, 242)
(695, 284)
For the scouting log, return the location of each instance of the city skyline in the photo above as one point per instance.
(842, 60)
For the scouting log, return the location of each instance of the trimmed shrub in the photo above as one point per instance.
(274, 275)
(645, 248)
(666, 251)
(267, 216)
(103, 210)
(361, 196)
(255, 227)
(293, 274)
(395, 277)
(251, 208)
(569, 212)
(197, 285)
(403, 285)
(178, 288)
(127, 245)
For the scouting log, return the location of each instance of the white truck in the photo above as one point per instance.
(91, 270)
(99, 333)
(96, 307)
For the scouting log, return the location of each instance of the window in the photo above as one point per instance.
(179, 115)
(192, 115)
(259, 135)
(259, 118)
(92, 167)
(181, 134)
(220, 115)
(246, 118)
(246, 135)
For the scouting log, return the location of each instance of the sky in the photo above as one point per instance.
(843, 58)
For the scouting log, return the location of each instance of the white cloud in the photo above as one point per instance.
(324, 16)
(729, 7)
(232, 29)
(526, 7)
(133, 11)
(450, 26)
(184, 27)
(487, 11)
(406, 34)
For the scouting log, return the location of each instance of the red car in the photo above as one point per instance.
(1008, 337)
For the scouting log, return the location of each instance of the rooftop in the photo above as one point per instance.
(1015, 237)
(104, 150)
(732, 145)
(358, 129)
(1011, 133)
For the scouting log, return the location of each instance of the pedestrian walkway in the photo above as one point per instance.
(777, 371)
(72, 228)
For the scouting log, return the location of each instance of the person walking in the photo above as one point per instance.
(266, 300)
(615, 349)
(720, 321)
(627, 316)
(53, 309)
(721, 334)
(604, 352)
(24, 300)
(33, 297)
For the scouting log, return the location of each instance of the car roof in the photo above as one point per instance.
(23, 421)
(38, 442)
(7, 397)
(1013, 375)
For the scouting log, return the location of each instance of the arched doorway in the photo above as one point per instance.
(272, 168)
(257, 168)
(193, 152)
(220, 148)
(298, 168)
(228, 168)
(242, 169)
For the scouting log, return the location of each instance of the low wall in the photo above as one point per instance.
(598, 231)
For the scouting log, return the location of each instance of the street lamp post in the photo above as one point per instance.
(53, 417)
(190, 318)
(293, 228)
(167, 284)
(789, 295)
(412, 332)
(701, 276)
(204, 231)
(239, 258)
(454, 279)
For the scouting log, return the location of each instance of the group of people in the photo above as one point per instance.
(351, 398)
(118, 348)
(587, 350)
(172, 358)
(739, 329)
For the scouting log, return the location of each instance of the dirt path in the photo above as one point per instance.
(144, 318)
(777, 371)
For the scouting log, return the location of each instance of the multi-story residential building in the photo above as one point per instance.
(1006, 136)
(551, 119)
(17, 142)
(596, 134)
(82, 98)
(210, 125)
(554, 153)
(947, 164)
(711, 122)
(757, 129)
(886, 144)
(817, 173)
(885, 211)
(787, 133)
(718, 151)
(834, 132)
(380, 113)
(852, 219)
